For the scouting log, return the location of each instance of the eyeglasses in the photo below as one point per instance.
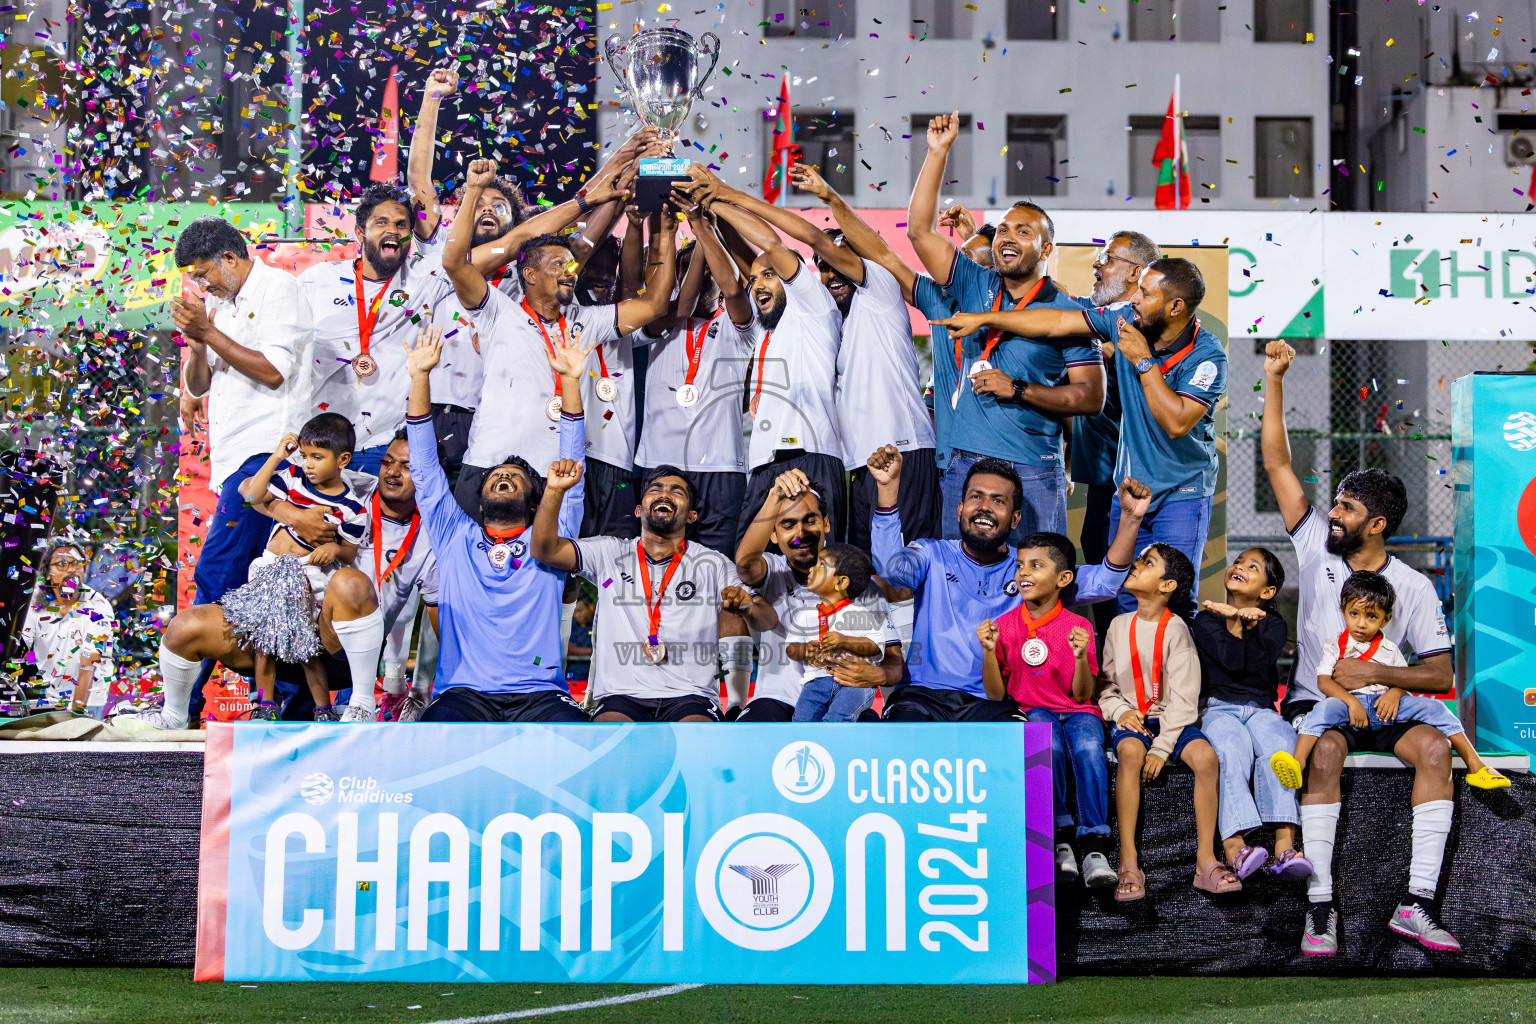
(1103, 258)
(66, 563)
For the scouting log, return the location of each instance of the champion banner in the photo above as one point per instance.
(655, 853)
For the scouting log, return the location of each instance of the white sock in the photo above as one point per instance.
(1319, 824)
(394, 678)
(361, 640)
(567, 623)
(177, 675)
(1431, 826)
(736, 657)
(902, 613)
(426, 653)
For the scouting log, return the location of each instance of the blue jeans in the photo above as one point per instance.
(368, 460)
(823, 700)
(1045, 497)
(1179, 524)
(1078, 736)
(236, 534)
(1245, 736)
(1332, 713)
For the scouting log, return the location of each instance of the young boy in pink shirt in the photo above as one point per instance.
(1042, 656)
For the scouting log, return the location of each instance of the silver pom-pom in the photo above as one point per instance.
(274, 612)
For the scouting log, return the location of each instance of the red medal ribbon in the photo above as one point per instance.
(1163, 368)
(1370, 650)
(539, 321)
(653, 609)
(762, 357)
(497, 278)
(993, 334)
(365, 321)
(510, 533)
(601, 362)
(1034, 626)
(696, 349)
(824, 612)
(381, 574)
(1142, 703)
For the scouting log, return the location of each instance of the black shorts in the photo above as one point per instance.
(1360, 741)
(825, 472)
(917, 496)
(611, 496)
(720, 504)
(658, 709)
(766, 709)
(923, 704)
(293, 690)
(463, 704)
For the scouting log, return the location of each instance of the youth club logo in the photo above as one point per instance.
(803, 772)
(1520, 431)
(764, 881)
(316, 789)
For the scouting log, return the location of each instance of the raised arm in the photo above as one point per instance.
(1273, 442)
(937, 252)
(635, 313)
(842, 259)
(750, 227)
(468, 280)
(441, 84)
(545, 542)
(632, 254)
(721, 267)
(1026, 323)
(750, 564)
(864, 240)
(255, 489)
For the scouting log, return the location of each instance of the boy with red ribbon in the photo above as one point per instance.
(1042, 657)
(1150, 690)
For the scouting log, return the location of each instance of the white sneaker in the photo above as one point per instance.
(357, 713)
(1097, 874)
(1066, 861)
(410, 709)
(148, 721)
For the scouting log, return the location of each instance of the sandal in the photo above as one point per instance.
(1131, 885)
(1248, 860)
(1487, 778)
(1217, 879)
(1286, 768)
(1290, 866)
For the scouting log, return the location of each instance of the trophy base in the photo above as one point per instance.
(653, 185)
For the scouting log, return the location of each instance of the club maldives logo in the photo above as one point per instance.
(317, 789)
(803, 772)
(1520, 431)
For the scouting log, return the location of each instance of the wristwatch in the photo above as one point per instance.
(1019, 384)
(1144, 364)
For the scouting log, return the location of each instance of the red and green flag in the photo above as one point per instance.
(1171, 159)
(775, 181)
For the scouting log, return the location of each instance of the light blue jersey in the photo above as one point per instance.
(500, 628)
(955, 594)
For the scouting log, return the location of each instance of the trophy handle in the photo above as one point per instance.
(714, 58)
(617, 46)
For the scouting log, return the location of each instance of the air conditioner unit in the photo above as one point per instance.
(1520, 149)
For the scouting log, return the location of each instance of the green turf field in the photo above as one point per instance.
(140, 996)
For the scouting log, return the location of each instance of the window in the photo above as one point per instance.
(824, 138)
(1192, 21)
(1281, 21)
(957, 173)
(1034, 19)
(1037, 144)
(1202, 143)
(818, 19)
(1282, 157)
(941, 19)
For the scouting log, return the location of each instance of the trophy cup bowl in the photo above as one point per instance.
(660, 68)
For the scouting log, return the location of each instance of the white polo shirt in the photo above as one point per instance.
(375, 404)
(1418, 620)
(61, 640)
(518, 384)
(797, 405)
(460, 373)
(245, 417)
(705, 437)
(416, 572)
(879, 399)
(611, 425)
(690, 610)
(779, 677)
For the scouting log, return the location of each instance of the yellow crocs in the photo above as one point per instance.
(1486, 778)
(1288, 770)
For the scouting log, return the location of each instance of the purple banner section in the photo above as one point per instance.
(1040, 854)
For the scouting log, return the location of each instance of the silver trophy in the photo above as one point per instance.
(660, 68)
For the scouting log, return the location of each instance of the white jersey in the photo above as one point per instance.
(1418, 619)
(705, 437)
(459, 375)
(690, 610)
(510, 416)
(61, 640)
(611, 425)
(879, 399)
(1386, 654)
(504, 280)
(375, 404)
(778, 677)
(796, 403)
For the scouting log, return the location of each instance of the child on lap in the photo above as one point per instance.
(845, 630)
(1042, 656)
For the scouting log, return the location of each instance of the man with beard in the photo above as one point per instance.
(499, 609)
(363, 312)
(791, 392)
(794, 517)
(518, 407)
(1010, 400)
(659, 601)
(960, 583)
(1168, 422)
(1368, 508)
